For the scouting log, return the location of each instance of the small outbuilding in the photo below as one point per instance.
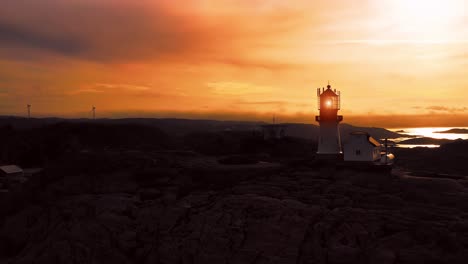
(362, 147)
(11, 170)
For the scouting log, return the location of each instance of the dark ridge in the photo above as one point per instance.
(454, 131)
(425, 141)
(175, 126)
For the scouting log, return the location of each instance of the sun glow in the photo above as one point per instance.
(426, 20)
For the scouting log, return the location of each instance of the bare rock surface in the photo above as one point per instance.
(181, 213)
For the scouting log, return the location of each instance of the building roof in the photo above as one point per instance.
(373, 141)
(329, 92)
(11, 169)
(370, 139)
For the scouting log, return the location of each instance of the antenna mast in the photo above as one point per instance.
(29, 111)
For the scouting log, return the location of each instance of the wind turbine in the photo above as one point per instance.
(29, 110)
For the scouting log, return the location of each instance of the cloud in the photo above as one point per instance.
(129, 87)
(237, 88)
(98, 88)
(447, 109)
(85, 91)
(258, 63)
(122, 30)
(266, 103)
(395, 41)
(93, 30)
(14, 35)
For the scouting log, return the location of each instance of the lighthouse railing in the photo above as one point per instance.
(339, 100)
(318, 98)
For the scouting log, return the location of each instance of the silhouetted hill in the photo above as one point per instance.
(180, 127)
(376, 132)
(34, 146)
(173, 126)
(31, 142)
(248, 142)
(309, 131)
(454, 131)
(98, 135)
(449, 158)
(425, 141)
(25, 123)
(458, 147)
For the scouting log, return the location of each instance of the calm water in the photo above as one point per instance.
(429, 132)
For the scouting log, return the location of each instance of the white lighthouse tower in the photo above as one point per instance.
(329, 145)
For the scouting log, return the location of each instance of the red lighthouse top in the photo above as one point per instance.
(328, 99)
(329, 103)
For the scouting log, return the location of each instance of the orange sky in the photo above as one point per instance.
(396, 62)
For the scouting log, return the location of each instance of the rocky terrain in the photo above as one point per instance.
(450, 158)
(130, 193)
(180, 207)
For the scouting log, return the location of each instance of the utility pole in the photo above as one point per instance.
(29, 111)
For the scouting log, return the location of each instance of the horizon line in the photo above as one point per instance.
(218, 120)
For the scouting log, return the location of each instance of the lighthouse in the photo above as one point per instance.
(329, 145)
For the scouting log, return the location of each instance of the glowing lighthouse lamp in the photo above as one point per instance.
(329, 145)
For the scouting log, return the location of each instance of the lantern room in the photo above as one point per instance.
(328, 104)
(329, 99)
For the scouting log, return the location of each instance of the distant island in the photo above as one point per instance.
(424, 141)
(454, 131)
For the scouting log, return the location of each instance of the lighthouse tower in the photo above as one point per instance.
(329, 145)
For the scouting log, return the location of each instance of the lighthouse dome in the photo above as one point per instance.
(329, 92)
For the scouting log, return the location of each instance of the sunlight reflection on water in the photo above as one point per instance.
(429, 132)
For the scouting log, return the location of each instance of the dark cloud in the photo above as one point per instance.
(94, 30)
(14, 36)
(124, 30)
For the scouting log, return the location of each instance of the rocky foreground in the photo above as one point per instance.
(152, 209)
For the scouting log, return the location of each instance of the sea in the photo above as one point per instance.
(428, 132)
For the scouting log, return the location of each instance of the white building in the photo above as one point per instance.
(362, 147)
(11, 170)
